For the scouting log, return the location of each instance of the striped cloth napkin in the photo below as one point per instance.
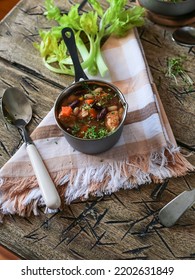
(146, 151)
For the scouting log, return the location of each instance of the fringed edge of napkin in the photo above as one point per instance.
(80, 184)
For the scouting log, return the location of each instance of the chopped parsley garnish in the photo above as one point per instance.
(92, 133)
(75, 129)
(102, 132)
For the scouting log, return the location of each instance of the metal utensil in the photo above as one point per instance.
(171, 212)
(17, 111)
(184, 36)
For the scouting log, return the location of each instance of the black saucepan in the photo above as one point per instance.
(88, 146)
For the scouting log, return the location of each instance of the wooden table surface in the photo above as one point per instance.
(123, 225)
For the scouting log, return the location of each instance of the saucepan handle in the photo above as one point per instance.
(69, 39)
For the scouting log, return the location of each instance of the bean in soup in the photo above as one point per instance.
(91, 113)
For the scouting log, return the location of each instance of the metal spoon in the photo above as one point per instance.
(184, 36)
(172, 211)
(17, 111)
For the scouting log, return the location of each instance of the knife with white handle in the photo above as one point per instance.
(172, 211)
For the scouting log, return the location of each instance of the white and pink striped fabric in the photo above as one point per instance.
(146, 151)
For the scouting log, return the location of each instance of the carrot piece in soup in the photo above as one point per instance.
(66, 111)
(89, 101)
(82, 131)
(84, 128)
(93, 113)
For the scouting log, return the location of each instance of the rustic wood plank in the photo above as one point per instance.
(121, 226)
(21, 28)
(178, 103)
(41, 95)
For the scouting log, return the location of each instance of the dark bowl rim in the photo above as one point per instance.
(168, 8)
(168, 3)
(121, 95)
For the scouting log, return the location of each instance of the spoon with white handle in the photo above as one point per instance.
(172, 211)
(17, 111)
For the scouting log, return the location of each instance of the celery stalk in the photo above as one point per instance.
(95, 24)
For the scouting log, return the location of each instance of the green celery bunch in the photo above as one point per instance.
(96, 25)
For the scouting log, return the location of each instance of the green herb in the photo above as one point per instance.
(96, 25)
(175, 69)
(8, 120)
(102, 132)
(75, 129)
(92, 133)
(86, 86)
(105, 99)
(86, 106)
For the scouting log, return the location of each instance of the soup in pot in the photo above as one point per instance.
(93, 112)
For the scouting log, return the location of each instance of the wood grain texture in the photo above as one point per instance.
(125, 224)
(5, 7)
(121, 226)
(178, 100)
